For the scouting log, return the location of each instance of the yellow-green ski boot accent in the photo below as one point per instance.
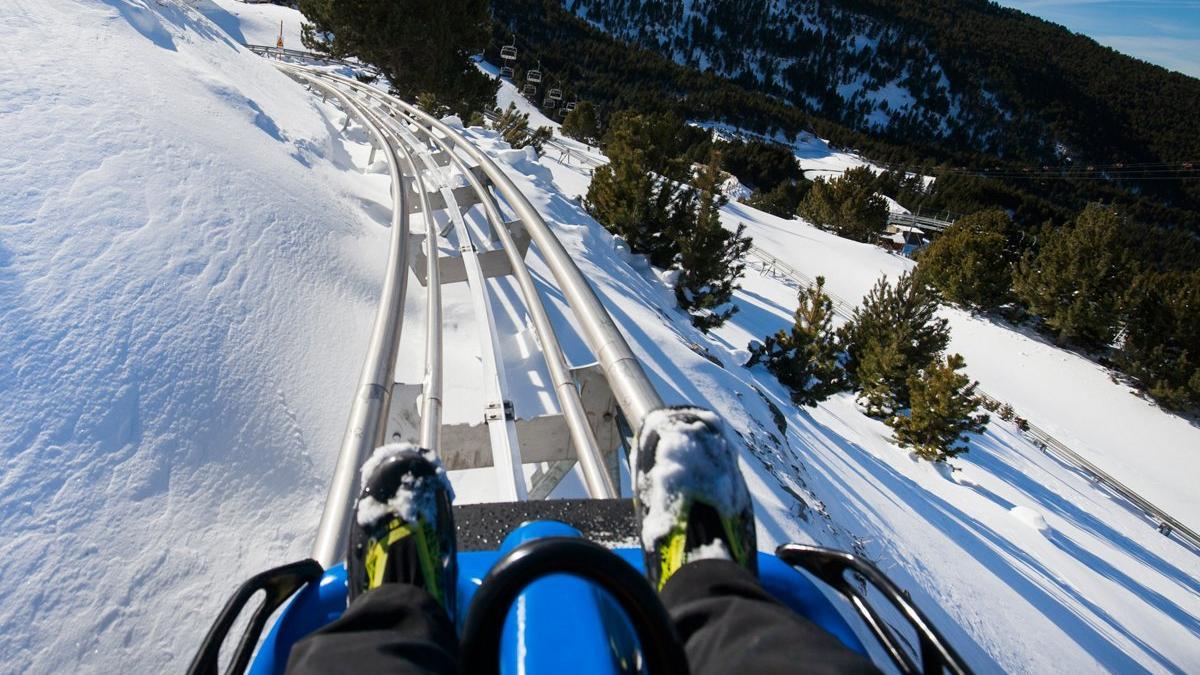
(404, 527)
(690, 494)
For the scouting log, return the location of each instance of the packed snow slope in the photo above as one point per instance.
(254, 24)
(187, 281)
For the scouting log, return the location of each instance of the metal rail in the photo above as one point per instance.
(431, 398)
(598, 482)
(506, 449)
(769, 264)
(597, 479)
(1165, 523)
(918, 221)
(280, 52)
(634, 392)
(366, 428)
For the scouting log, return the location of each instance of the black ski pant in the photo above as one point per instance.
(727, 622)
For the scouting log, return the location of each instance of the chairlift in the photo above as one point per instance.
(554, 94)
(570, 106)
(529, 91)
(549, 104)
(505, 71)
(534, 76)
(509, 52)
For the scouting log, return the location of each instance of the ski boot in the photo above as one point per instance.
(690, 495)
(404, 528)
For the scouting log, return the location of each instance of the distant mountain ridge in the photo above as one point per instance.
(966, 74)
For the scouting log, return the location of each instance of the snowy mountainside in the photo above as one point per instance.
(187, 281)
(866, 72)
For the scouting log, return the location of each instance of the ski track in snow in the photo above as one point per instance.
(190, 256)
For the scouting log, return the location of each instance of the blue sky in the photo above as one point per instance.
(1163, 32)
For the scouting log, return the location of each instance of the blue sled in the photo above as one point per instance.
(558, 620)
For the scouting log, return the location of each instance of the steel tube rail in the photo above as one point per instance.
(631, 387)
(271, 50)
(431, 393)
(506, 449)
(366, 426)
(598, 482)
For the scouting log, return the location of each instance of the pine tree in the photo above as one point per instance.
(1077, 279)
(806, 358)
(941, 411)
(710, 258)
(847, 205)
(893, 334)
(582, 123)
(782, 200)
(969, 263)
(428, 102)
(633, 202)
(419, 46)
(1161, 344)
(514, 129)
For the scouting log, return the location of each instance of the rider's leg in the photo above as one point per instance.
(401, 573)
(700, 550)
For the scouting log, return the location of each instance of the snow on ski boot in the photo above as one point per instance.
(404, 527)
(690, 494)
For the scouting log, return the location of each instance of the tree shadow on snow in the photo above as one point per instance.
(1027, 576)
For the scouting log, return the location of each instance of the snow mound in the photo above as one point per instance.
(1030, 517)
(187, 280)
(518, 157)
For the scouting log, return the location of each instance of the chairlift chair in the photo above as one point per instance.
(554, 94)
(534, 76)
(529, 91)
(505, 71)
(550, 104)
(509, 52)
(569, 106)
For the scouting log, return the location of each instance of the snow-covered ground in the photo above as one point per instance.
(187, 278)
(189, 261)
(818, 159)
(255, 23)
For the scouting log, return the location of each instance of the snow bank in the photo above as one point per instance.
(254, 23)
(187, 279)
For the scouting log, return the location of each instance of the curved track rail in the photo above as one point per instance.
(416, 146)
